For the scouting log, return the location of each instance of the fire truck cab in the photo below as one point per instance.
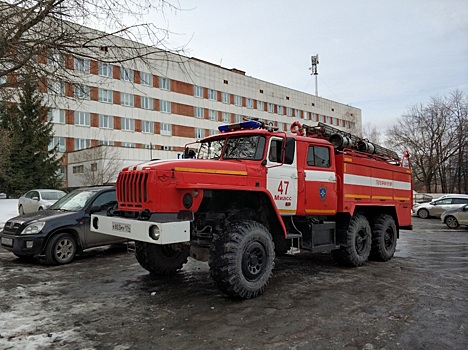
(253, 192)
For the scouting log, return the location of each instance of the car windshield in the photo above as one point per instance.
(242, 147)
(74, 201)
(50, 196)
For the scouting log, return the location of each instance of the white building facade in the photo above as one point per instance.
(151, 108)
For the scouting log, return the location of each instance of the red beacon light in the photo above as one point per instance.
(249, 124)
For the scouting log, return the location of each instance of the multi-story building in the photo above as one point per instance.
(151, 108)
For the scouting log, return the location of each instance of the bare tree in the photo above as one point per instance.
(39, 37)
(6, 142)
(436, 137)
(370, 132)
(101, 165)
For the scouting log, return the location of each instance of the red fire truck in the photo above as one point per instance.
(253, 192)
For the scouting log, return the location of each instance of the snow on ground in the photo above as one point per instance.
(8, 210)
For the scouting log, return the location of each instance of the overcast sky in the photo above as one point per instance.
(381, 56)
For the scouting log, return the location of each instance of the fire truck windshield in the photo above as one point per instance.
(242, 147)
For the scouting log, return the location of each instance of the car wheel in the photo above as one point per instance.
(61, 249)
(21, 210)
(423, 213)
(451, 222)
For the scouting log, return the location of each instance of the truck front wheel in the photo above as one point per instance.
(160, 259)
(358, 243)
(384, 238)
(242, 259)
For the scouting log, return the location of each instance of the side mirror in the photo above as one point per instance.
(95, 209)
(35, 198)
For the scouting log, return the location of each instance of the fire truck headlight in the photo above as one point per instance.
(155, 232)
(187, 200)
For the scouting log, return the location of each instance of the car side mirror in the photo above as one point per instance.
(95, 209)
(465, 208)
(35, 198)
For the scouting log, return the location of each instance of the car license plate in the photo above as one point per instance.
(119, 227)
(7, 241)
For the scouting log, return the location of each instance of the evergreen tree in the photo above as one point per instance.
(31, 164)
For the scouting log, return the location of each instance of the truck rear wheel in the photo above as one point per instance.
(358, 243)
(242, 259)
(384, 238)
(160, 259)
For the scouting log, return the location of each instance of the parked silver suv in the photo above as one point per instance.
(438, 206)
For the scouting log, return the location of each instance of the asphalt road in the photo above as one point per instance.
(105, 300)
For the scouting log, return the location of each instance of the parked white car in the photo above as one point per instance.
(437, 207)
(39, 199)
(455, 217)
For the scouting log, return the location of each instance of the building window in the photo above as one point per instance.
(289, 111)
(212, 95)
(226, 117)
(128, 124)
(297, 113)
(199, 133)
(164, 83)
(213, 132)
(213, 115)
(106, 121)
(280, 126)
(306, 115)
(271, 108)
(165, 106)
(82, 91)
(197, 91)
(249, 102)
(105, 95)
(128, 144)
(146, 102)
(59, 142)
(78, 169)
(166, 129)
(56, 60)
(225, 97)
(260, 106)
(238, 100)
(106, 143)
(105, 69)
(82, 144)
(280, 110)
(82, 118)
(198, 112)
(237, 118)
(56, 87)
(126, 99)
(147, 127)
(56, 116)
(81, 64)
(146, 79)
(126, 74)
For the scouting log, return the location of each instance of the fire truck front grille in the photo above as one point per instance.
(132, 189)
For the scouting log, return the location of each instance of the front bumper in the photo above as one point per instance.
(144, 231)
(24, 244)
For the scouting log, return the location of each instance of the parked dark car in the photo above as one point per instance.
(63, 230)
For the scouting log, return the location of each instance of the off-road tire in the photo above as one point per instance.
(242, 259)
(451, 222)
(160, 259)
(423, 213)
(61, 249)
(384, 238)
(358, 243)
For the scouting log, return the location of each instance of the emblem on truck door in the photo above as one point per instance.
(322, 192)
